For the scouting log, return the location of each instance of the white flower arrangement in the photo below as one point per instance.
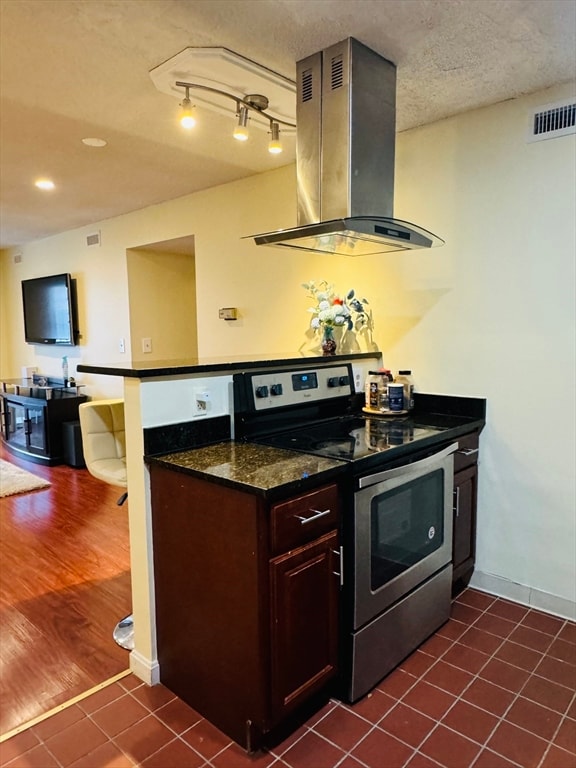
(332, 311)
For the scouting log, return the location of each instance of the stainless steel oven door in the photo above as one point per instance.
(403, 531)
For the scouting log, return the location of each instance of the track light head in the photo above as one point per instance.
(241, 130)
(274, 145)
(188, 116)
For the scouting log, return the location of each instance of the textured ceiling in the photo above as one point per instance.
(80, 68)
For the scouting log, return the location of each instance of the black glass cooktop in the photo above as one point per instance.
(351, 438)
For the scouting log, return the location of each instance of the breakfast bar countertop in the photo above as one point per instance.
(145, 370)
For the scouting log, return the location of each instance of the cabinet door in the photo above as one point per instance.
(16, 425)
(36, 418)
(305, 587)
(464, 535)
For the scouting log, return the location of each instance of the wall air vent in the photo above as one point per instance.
(93, 239)
(553, 120)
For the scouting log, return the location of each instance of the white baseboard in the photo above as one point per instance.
(147, 670)
(520, 593)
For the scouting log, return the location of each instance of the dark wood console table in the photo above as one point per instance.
(33, 417)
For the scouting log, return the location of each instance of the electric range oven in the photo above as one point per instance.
(397, 485)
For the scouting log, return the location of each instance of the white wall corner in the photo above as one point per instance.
(147, 670)
(520, 593)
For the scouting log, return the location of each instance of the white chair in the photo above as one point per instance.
(104, 447)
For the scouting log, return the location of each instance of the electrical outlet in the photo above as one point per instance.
(358, 379)
(147, 345)
(202, 402)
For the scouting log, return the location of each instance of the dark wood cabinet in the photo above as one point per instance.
(32, 426)
(464, 508)
(247, 596)
(304, 613)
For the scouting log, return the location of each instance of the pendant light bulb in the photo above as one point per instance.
(241, 130)
(188, 115)
(274, 145)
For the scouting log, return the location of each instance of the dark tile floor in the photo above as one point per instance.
(494, 688)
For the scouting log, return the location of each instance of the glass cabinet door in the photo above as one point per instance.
(15, 424)
(36, 429)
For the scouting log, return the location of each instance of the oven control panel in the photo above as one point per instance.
(276, 389)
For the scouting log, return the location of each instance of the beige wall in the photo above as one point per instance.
(162, 301)
(491, 313)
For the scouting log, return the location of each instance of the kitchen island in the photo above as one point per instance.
(161, 418)
(247, 541)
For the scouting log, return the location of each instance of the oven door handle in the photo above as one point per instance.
(388, 474)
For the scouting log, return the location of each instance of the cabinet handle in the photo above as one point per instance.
(468, 451)
(340, 573)
(317, 514)
(456, 507)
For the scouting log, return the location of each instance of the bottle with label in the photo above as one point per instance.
(372, 390)
(65, 370)
(405, 378)
(383, 399)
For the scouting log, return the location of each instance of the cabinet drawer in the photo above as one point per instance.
(467, 453)
(301, 519)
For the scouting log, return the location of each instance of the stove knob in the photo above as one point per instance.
(343, 381)
(276, 389)
(262, 391)
(333, 381)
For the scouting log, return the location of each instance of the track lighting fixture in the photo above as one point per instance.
(252, 102)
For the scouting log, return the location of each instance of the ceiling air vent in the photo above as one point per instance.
(553, 120)
(93, 239)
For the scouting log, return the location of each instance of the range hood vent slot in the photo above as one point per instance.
(337, 73)
(307, 80)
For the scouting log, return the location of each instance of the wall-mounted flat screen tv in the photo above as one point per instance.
(50, 310)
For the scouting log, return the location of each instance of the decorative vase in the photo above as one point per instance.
(328, 342)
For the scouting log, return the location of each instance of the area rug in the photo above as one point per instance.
(16, 480)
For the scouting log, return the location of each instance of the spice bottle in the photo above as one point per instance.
(383, 399)
(405, 378)
(372, 390)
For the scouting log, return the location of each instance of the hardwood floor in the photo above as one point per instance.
(64, 583)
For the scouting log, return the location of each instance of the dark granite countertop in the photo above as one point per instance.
(257, 468)
(145, 370)
(270, 471)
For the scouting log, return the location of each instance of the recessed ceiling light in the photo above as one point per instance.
(94, 142)
(44, 184)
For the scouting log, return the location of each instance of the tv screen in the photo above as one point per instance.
(50, 310)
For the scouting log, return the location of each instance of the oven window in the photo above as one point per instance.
(406, 525)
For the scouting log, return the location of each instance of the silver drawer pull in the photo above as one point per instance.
(317, 514)
(468, 451)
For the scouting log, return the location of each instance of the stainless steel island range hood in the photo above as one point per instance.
(346, 130)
